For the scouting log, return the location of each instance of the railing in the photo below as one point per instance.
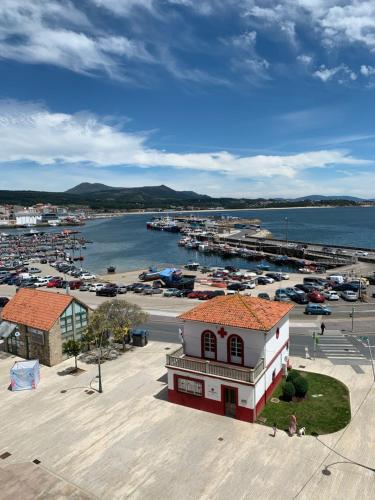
(250, 375)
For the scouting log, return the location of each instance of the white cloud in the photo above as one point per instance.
(342, 72)
(305, 59)
(367, 70)
(31, 132)
(59, 34)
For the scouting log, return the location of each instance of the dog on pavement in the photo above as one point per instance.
(301, 431)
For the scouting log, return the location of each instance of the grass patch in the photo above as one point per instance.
(323, 414)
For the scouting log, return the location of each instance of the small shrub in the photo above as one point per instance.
(301, 386)
(293, 374)
(288, 391)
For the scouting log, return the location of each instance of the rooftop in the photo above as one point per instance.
(239, 311)
(36, 308)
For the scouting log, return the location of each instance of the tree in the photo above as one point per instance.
(72, 348)
(116, 317)
(301, 386)
(288, 391)
(292, 375)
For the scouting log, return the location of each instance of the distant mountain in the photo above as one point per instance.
(88, 188)
(102, 197)
(320, 197)
(137, 194)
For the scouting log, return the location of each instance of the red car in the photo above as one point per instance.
(53, 282)
(315, 296)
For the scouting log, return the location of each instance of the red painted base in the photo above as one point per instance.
(268, 394)
(209, 405)
(204, 404)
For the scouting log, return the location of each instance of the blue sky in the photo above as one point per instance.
(225, 97)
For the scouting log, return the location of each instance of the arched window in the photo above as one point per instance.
(208, 345)
(235, 350)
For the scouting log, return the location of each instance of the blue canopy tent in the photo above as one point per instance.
(24, 375)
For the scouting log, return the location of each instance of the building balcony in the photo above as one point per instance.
(250, 375)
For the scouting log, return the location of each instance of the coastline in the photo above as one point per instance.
(205, 211)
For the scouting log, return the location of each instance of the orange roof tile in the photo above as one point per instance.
(36, 308)
(239, 311)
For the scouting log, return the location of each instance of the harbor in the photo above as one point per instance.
(20, 249)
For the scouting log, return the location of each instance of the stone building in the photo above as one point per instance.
(36, 323)
(235, 350)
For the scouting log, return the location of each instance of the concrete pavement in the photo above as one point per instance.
(129, 442)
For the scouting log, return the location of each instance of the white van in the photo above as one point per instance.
(338, 278)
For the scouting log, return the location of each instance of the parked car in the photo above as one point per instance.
(147, 290)
(264, 296)
(138, 288)
(107, 291)
(306, 287)
(264, 280)
(41, 282)
(361, 253)
(315, 296)
(281, 297)
(299, 298)
(88, 276)
(274, 276)
(331, 295)
(3, 301)
(349, 295)
(121, 288)
(317, 309)
(249, 285)
(236, 286)
(346, 286)
(96, 287)
(75, 284)
(170, 292)
(34, 270)
(62, 284)
(84, 287)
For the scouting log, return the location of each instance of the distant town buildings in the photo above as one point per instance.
(41, 214)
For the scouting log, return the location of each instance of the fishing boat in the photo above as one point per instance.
(263, 267)
(111, 269)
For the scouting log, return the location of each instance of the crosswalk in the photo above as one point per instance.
(339, 349)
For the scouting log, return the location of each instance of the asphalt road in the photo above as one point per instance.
(339, 343)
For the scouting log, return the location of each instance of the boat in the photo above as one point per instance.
(192, 266)
(264, 267)
(111, 269)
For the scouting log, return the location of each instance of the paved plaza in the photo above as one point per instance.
(129, 442)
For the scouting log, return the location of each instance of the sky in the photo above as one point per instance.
(241, 98)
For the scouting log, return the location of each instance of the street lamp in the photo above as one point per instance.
(286, 231)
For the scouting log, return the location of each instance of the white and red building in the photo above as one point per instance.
(235, 350)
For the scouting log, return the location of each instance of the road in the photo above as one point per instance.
(338, 344)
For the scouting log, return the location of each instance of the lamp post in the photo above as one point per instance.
(286, 231)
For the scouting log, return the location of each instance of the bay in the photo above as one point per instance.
(126, 243)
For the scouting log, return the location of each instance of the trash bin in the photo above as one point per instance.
(139, 337)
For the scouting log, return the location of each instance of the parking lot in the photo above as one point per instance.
(165, 302)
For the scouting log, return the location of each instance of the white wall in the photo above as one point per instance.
(273, 344)
(212, 387)
(253, 341)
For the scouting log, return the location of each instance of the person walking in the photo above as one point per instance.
(322, 328)
(274, 428)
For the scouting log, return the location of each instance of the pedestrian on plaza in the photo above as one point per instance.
(322, 328)
(274, 428)
(292, 425)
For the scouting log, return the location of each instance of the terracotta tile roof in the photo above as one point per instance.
(239, 311)
(36, 308)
